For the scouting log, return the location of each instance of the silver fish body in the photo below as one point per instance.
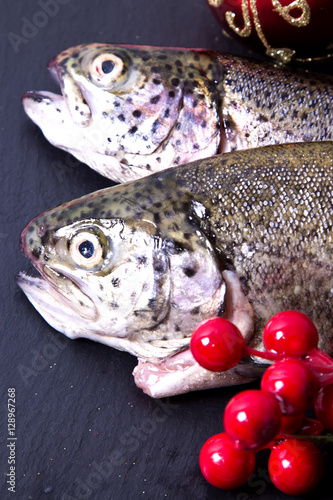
(139, 265)
(129, 111)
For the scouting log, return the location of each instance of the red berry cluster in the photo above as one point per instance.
(301, 376)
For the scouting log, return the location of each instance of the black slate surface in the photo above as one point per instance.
(84, 430)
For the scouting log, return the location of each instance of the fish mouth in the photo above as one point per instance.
(36, 101)
(50, 113)
(73, 98)
(48, 303)
(59, 298)
(55, 113)
(64, 127)
(37, 104)
(70, 99)
(67, 289)
(70, 290)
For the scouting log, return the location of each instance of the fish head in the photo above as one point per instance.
(113, 271)
(96, 274)
(129, 111)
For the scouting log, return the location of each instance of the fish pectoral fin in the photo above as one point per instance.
(181, 373)
(237, 308)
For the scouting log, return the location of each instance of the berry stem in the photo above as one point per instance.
(270, 356)
(321, 364)
(323, 438)
(325, 379)
(320, 360)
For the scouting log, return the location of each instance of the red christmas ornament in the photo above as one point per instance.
(283, 29)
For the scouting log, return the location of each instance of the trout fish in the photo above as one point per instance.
(130, 111)
(137, 266)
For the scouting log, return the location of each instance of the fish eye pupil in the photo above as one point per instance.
(107, 66)
(87, 249)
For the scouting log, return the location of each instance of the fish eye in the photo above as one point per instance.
(86, 250)
(105, 69)
(107, 66)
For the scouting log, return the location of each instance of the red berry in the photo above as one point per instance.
(293, 384)
(311, 427)
(295, 467)
(290, 333)
(252, 419)
(290, 425)
(324, 406)
(217, 344)
(222, 465)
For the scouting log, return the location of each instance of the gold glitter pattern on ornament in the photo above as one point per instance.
(285, 12)
(215, 3)
(302, 18)
(230, 16)
(282, 54)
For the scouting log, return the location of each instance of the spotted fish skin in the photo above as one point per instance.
(265, 105)
(244, 235)
(128, 111)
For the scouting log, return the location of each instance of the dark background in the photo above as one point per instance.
(84, 430)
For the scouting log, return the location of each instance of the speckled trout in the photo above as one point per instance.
(137, 266)
(129, 111)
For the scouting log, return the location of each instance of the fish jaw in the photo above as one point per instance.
(50, 306)
(49, 111)
(63, 317)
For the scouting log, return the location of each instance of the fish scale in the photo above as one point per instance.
(162, 107)
(244, 235)
(287, 106)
